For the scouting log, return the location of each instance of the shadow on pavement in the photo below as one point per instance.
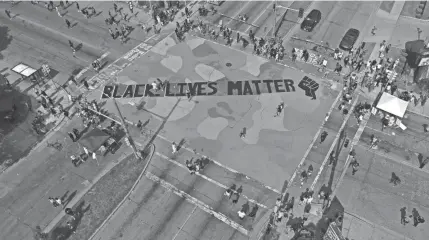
(5, 39)
(64, 232)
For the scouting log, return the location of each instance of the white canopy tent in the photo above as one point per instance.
(24, 70)
(392, 105)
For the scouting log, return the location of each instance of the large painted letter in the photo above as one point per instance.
(129, 93)
(289, 85)
(232, 86)
(137, 93)
(107, 92)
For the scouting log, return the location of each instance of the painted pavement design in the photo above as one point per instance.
(272, 147)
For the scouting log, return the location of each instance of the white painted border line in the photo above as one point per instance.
(198, 203)
(219, 164)
(334, 144)
(385, 156)
(260, 15)
(208, 179)
(316, 136)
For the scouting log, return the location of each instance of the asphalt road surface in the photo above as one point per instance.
(178, 205)
(337, 18)
(259, 13)
(40, 36)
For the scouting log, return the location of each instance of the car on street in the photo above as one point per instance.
(312, 19)
(349, 39)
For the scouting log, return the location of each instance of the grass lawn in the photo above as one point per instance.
(102, 199)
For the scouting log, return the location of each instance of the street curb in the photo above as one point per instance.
(152, 149)
(80, 195)
(354, 216)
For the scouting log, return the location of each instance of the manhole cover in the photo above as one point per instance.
(228, 64)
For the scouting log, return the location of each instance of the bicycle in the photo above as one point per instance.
(55, 145)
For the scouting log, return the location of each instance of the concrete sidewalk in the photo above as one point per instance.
(356, 227)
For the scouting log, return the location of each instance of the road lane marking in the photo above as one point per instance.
(379, 131)
(236, 14)
(218, 163)
(89, 67)
(316, 136)
(260, 15)
(208, 179)
(346, 119)
(186, 221)
(206, 208)
(386, 156)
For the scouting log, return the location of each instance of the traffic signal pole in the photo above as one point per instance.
(274, 26)
(133, 146)
(123, 124)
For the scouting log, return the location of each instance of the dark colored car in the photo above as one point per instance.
(349, 39)
(312, 19)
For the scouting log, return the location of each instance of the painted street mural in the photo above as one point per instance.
(231, 93)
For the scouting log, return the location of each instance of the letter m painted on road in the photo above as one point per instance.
(309, 86)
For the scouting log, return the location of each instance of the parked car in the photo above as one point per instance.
(349, 39)
(312, 19)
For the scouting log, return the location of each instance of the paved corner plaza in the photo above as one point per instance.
(204, 120)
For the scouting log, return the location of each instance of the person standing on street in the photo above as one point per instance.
(395, 179)
(417, 218)
(423, 162)
(355, 166)
(130, 5)
(68, 23)
(70, 212)
(72, 137)
(323, 136)
(112, 34)
(174, 147)
(8, 14)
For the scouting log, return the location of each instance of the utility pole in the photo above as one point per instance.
(349, 157)
(274, 26)
(123, 124)
(133, 146)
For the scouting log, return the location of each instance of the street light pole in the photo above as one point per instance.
(274, 26)
(133, 146)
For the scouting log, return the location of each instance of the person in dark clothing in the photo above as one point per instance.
(76, 133)
(423, 162)
(70, 212)
(72, 137)
(323, 136)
